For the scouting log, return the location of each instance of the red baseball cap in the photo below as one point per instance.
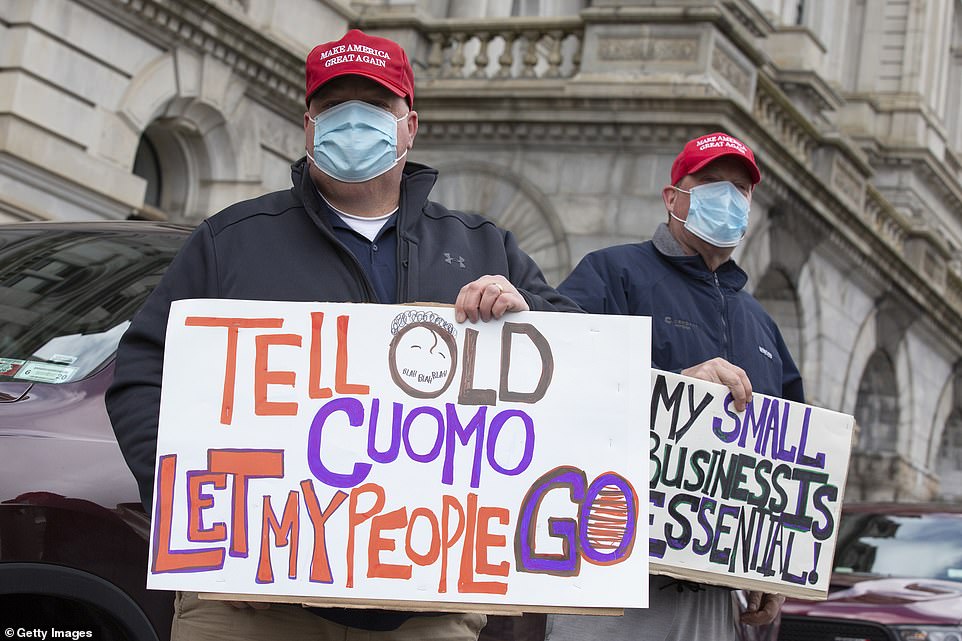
(357, 53)
(704, 149)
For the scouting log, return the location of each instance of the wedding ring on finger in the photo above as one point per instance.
(500, 288)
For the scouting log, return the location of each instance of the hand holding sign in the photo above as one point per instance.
(486, 298)
(762, 608)
(718, 370)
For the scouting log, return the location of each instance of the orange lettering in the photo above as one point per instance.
(448, 503)
(341, 386)
(485, 540)
(244, 465)
(466, 582)
(435, 549)
(197, 502)
(375, 568)
(314, 389)
(166, 559)
(320, 566)
(286, 532)
(264, 377)
(354, 519)
(233, 325)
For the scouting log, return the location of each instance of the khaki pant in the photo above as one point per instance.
(201, 620)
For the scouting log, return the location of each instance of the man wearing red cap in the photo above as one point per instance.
(703, 325)
(356, 226)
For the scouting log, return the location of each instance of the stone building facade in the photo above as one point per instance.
(560, 119)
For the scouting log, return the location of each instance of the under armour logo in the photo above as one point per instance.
(449, 259)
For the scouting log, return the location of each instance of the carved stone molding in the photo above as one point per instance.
(737, 75)
(275, 74)
(662, 49)
(848, 182)
(586, 131)
(795, 211)
(776, 115)
(917, 161)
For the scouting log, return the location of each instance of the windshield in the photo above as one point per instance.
(67, 296)
(927, 546)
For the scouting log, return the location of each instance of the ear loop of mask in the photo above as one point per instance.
(670, 212)
(406, 150)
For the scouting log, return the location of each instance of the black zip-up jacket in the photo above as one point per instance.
(281, 246)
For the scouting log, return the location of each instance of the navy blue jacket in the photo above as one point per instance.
(696, 315)
(281, 246)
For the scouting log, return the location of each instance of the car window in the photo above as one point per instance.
(922, 546)
(67, 296)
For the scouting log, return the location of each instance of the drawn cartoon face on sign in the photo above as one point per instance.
(423, 355)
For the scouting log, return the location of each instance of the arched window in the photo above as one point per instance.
(777, 295)
(168, 158)
(948, 465)
(147, 166)
(877, 406)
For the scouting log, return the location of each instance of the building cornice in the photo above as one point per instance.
(275, 73)
(737, 19)
(926, 166)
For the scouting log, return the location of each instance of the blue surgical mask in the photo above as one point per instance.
(718, 213)
(355, 142)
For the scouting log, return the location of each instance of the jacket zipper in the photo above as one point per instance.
(726, 342)
(359, 270)
(403, 260)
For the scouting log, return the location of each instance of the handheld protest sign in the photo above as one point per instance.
(748, 500)
(373, 455)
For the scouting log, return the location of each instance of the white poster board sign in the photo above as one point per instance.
(373, 452)
(748, 499)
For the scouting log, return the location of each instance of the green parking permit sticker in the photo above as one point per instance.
(46, 372)
(10, 366)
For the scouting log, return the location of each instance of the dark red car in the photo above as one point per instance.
(73, 537)
(897, 577)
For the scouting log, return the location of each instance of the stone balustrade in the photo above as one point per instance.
(774, 112)
(888, 225)
(953, 289)
(529, 48)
